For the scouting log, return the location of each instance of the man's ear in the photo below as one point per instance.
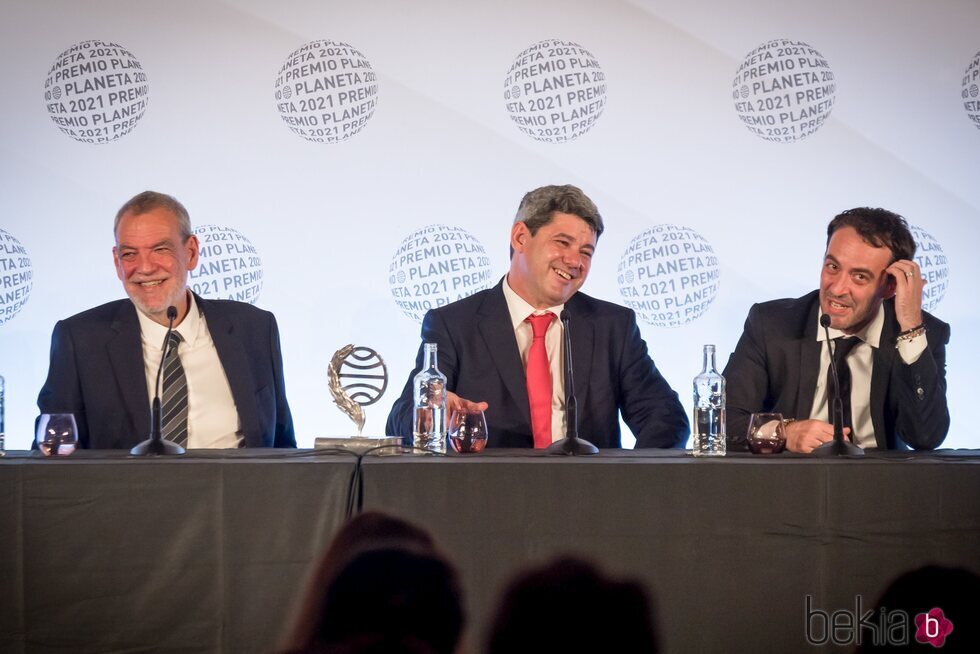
(193, 251)
(889, 286)
(519, 235)
(117, 264)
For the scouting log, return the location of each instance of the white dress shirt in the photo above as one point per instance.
(861, 361)
(212, 417)
(519, 311)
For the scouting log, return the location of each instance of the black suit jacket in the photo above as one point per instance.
(478, 353)
(96, 372)
(776, 364)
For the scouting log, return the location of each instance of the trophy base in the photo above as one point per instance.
(360, 444)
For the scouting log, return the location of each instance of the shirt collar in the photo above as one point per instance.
(871, 334)
(519, 308)
(154, 333)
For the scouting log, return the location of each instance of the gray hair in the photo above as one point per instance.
(148, 201)
(538, 207)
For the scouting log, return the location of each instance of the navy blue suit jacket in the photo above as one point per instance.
(776, 363)
(96, 372)
(478, 353)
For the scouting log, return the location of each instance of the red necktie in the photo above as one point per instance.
(539, 381)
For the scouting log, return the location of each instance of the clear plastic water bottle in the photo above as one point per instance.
(430, 425)
(709, 408)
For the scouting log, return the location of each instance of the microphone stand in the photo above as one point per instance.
(571, 445)
(156, 444)
(840, 446)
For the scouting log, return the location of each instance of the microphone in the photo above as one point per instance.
(156, 420)
(156, 444)
(571, 444)
(839, 446)
(571, 401)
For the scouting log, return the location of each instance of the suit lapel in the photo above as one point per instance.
(809, 364)
(498, 336)
(234, 359)
(125, 350)
(582, 330)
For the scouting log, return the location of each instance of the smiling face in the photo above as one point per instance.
(550, 266)
(152, 261)
(853, 281)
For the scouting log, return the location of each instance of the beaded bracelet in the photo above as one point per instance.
(909, 334)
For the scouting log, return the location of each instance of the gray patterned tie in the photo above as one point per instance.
(174, 409)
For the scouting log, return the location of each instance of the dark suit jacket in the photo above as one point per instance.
(478, 353)
(96, 372)
(776, 364)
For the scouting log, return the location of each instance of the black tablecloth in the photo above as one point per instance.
(199, 553)
(730, 547)
(207, 552)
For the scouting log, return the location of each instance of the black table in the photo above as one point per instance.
(730, 548)
(206, 552)
(202, 553)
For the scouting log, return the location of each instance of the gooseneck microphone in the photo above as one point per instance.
(839, 446)
(156, 444)
(156, 420)
(571, 444)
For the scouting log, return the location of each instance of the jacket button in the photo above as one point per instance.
(921, 393)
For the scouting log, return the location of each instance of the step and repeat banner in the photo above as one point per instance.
(349, 166)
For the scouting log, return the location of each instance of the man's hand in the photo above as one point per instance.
(804, 436)
(456, 403)
(908, 293)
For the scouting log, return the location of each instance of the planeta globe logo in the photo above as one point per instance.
(933, 265)
(16, 276)
(229, 268)
(971, 90)
(357, 377)
(784, 91)
(668, 275)
(96, 92)
(436, 265)
(326, 91)
(361, 373)
(555, 91)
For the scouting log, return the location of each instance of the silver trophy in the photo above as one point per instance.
(357, 377)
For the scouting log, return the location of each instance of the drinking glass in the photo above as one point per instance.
(766, 433)
(57, 434)
(468, 431)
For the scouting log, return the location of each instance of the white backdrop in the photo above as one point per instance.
(654, 130)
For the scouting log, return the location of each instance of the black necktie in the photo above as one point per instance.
(174, 404)
(843, 347)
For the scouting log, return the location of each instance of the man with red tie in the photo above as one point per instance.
(501, 349)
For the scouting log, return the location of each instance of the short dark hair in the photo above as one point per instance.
(879, 228)
(393, 600)
(920, 591)
(538, 207)
(148, 201)
(621, 614)
(366, 532)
